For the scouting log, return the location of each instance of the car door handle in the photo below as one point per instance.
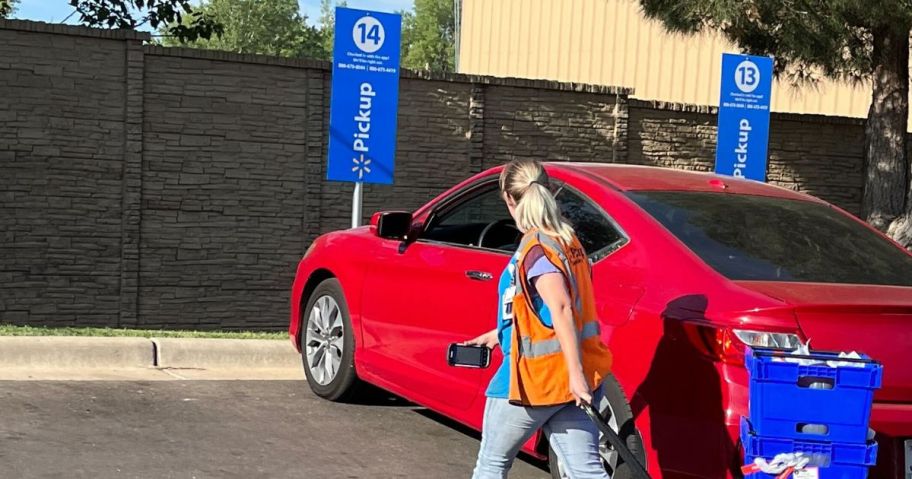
(479, 275)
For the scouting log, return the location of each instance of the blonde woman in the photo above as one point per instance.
(548, 330)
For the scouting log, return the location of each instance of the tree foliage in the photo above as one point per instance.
(178, 16)
(849, 40)
(833, 37)
(328, 24)
(7, 8)
(269, 27)
(408, 34)
(431, 35)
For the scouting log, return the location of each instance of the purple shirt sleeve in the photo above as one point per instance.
(540, 265)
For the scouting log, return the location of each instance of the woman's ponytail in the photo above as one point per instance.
(526, 182)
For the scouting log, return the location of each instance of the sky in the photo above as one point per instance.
(55, 11)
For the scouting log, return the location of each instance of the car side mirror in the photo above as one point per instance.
(391, 224)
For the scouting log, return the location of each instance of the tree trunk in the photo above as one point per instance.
(887, 175)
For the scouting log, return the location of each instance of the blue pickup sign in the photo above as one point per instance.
(365, 97)
(744, 115)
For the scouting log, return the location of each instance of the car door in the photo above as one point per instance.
(440, 289)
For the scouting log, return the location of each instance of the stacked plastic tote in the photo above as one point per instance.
(817, 405)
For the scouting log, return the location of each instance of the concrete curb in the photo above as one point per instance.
(52, 352)
(81, 352)
(226, 353)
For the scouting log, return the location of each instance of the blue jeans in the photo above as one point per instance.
(569, 430)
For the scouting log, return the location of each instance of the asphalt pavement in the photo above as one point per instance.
(223, 429)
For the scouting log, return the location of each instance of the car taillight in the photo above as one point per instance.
(728, 344)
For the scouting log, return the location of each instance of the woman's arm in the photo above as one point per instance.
(553, 291)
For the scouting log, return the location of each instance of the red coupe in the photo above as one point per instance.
(688, 269)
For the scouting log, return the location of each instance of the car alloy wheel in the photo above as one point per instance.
(323, 340)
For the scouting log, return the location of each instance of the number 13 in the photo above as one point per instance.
(748, 75)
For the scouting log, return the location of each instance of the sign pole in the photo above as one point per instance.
(356, 205)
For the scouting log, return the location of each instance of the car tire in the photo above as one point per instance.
(614, 406)
(326, 335)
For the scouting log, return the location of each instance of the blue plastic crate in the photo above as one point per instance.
(783, 405)
(834, 460)
(822, 453)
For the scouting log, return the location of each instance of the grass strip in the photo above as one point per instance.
(11, 330)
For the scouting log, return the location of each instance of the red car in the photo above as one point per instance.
(688, 267)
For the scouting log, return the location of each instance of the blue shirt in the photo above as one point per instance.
(499, 387)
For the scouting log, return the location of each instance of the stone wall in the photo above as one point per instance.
(223, 167)
(62, 148)
(818, 155)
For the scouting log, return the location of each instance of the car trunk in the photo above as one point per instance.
(874, 320)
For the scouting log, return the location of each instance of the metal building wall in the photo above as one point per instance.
(610, 42)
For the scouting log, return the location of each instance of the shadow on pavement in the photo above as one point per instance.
(370, 395)
(373, 396)
(467, 431)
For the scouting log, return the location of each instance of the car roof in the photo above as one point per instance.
(648, 178)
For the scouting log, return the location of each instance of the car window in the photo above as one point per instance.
(482, 208)
(463, 221)
(596, 232)
(774, 239)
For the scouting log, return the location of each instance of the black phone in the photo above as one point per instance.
(468, 356)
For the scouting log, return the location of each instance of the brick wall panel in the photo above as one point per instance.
(816, 155)
(549, 126)
(224, 159)
(61, 153)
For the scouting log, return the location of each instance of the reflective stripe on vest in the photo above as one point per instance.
(531, 349)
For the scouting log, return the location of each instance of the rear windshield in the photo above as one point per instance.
(773, 239)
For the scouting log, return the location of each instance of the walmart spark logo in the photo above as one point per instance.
(362, 166)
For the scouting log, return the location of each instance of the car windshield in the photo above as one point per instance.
(760, 238)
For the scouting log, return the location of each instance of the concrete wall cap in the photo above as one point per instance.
(311, 63)
(74, 30)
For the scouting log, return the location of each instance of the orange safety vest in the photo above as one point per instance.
(538, 371)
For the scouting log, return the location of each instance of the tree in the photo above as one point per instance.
(268, 27)
(328, 24)
(7, 8)
(432, 34)
(408, 34)
(850, 40)
(181, 19)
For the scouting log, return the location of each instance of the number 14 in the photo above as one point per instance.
(372, 34)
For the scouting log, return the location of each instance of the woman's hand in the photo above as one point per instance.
(580, 389)
(488, 340)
